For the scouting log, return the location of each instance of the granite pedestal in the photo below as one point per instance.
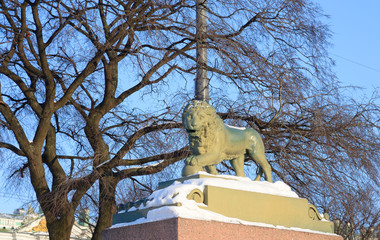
(191, 229)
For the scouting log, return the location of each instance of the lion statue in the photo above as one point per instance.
(211, 142)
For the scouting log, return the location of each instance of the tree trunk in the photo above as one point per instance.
(60, 227)
(107, 205)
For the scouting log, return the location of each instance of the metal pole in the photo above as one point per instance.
(201, 81)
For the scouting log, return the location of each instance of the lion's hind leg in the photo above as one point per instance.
(259, 158)
(259, 173)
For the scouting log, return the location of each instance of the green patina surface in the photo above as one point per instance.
(127, 217)
(131, 216)
(211, 141)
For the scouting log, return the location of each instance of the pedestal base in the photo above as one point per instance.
(218, 196)
(189, 229)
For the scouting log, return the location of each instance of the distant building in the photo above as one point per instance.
(19, 211)
(10, 221)
(37, 228)
(32, 226)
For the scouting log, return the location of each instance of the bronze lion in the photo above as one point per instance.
(211, 142)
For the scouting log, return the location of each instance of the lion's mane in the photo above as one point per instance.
(212, 125)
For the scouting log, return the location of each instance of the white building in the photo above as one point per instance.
(32, 226)
(10, 221)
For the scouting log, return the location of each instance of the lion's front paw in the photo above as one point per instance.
(191, 160)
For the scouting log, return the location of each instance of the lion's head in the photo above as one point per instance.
(201, 123)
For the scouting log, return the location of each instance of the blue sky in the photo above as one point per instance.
(356, 41)
(356, 50)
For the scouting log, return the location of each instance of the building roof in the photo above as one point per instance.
(11, 216)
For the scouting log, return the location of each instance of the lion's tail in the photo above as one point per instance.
(259, 173)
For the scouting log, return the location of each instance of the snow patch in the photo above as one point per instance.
(154, 164)
(234, 127)
(189, 212)
(177, 192)
(105, 162)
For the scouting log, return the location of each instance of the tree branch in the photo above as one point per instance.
(12, 148)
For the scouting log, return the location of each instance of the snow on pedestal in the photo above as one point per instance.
(169, 212)
(172, 201)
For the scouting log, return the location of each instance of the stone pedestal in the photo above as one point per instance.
(205, 206)
(248, 206)
(189, 229)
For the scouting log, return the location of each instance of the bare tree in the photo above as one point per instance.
(91, 94)
(60, 68)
